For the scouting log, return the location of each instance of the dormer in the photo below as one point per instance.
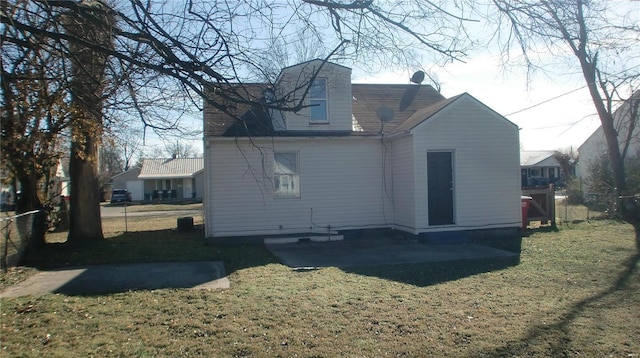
(327, 103)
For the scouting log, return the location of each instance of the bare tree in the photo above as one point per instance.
(110, 162)
(35, 118)
(602, 40)
(180, 150)
(568, 160)
(129, 143)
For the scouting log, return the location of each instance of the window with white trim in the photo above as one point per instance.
(318, 113)
(286, 177)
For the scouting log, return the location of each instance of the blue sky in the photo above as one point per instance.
(553, 108)
(553, 111)
(565, 120)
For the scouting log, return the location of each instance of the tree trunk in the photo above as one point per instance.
(93, 23)
(608, 127)
(32, 228)
(84, 203)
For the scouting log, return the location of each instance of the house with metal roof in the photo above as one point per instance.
(172, 178)
(352, 157)
(540, 168)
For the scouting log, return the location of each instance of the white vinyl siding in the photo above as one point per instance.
(340, 181)
(403, 184)
(486, 169)
(596, 145)
(341, 178)
(295, 80)
(590, 151)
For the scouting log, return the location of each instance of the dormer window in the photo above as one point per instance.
(318, 113)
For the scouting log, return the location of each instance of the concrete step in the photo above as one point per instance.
(302, 238)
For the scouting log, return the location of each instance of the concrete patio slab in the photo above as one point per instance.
(378, 251)
(101, 279)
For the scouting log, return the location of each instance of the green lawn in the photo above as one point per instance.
(571, 294)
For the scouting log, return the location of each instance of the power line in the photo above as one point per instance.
(564, 94)
(567, 124)
(545, 101)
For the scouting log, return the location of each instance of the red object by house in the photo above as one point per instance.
(526, 202)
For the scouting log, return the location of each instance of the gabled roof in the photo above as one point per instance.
(133, 171)
(404, 99)
(252, 118)
(536, 157)
(423, 114)
(619, 115)
(170, 168)
(314, 65)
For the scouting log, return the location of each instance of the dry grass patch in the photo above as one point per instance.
(145, 207)
(572, 293)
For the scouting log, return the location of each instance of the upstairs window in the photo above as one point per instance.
(286, 178)
(318, 102)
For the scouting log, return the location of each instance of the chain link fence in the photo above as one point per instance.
(594, 206)
(15, 231)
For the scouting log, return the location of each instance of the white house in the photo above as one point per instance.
(628, 135)
(360, 156)
(129, 180)
(540, 167)
(172, 178)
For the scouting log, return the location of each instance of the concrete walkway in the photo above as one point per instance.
(102, 279)
(378, 251)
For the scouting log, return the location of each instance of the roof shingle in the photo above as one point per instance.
(160, 168)
(408, 102)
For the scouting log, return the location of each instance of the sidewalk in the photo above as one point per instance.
(101, 279)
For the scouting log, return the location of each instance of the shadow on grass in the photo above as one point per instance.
(142, 261)
(431, 273)
(542, 230)
(555, 339)
(167, 245)
(171, 246)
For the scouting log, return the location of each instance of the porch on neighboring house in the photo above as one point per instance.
(169, 189)
(540, 176)
(172, 179)
(540, 168)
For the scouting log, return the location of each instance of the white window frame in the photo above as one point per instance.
(315, 100)
(286, 182)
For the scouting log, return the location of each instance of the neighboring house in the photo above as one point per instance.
(129, 180)
(596, 145)
(174, 178)
(58, 185)
(540, 168)
(62, 180)
(444, 169)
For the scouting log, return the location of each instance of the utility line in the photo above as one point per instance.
(546, 101)
(563, 94)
